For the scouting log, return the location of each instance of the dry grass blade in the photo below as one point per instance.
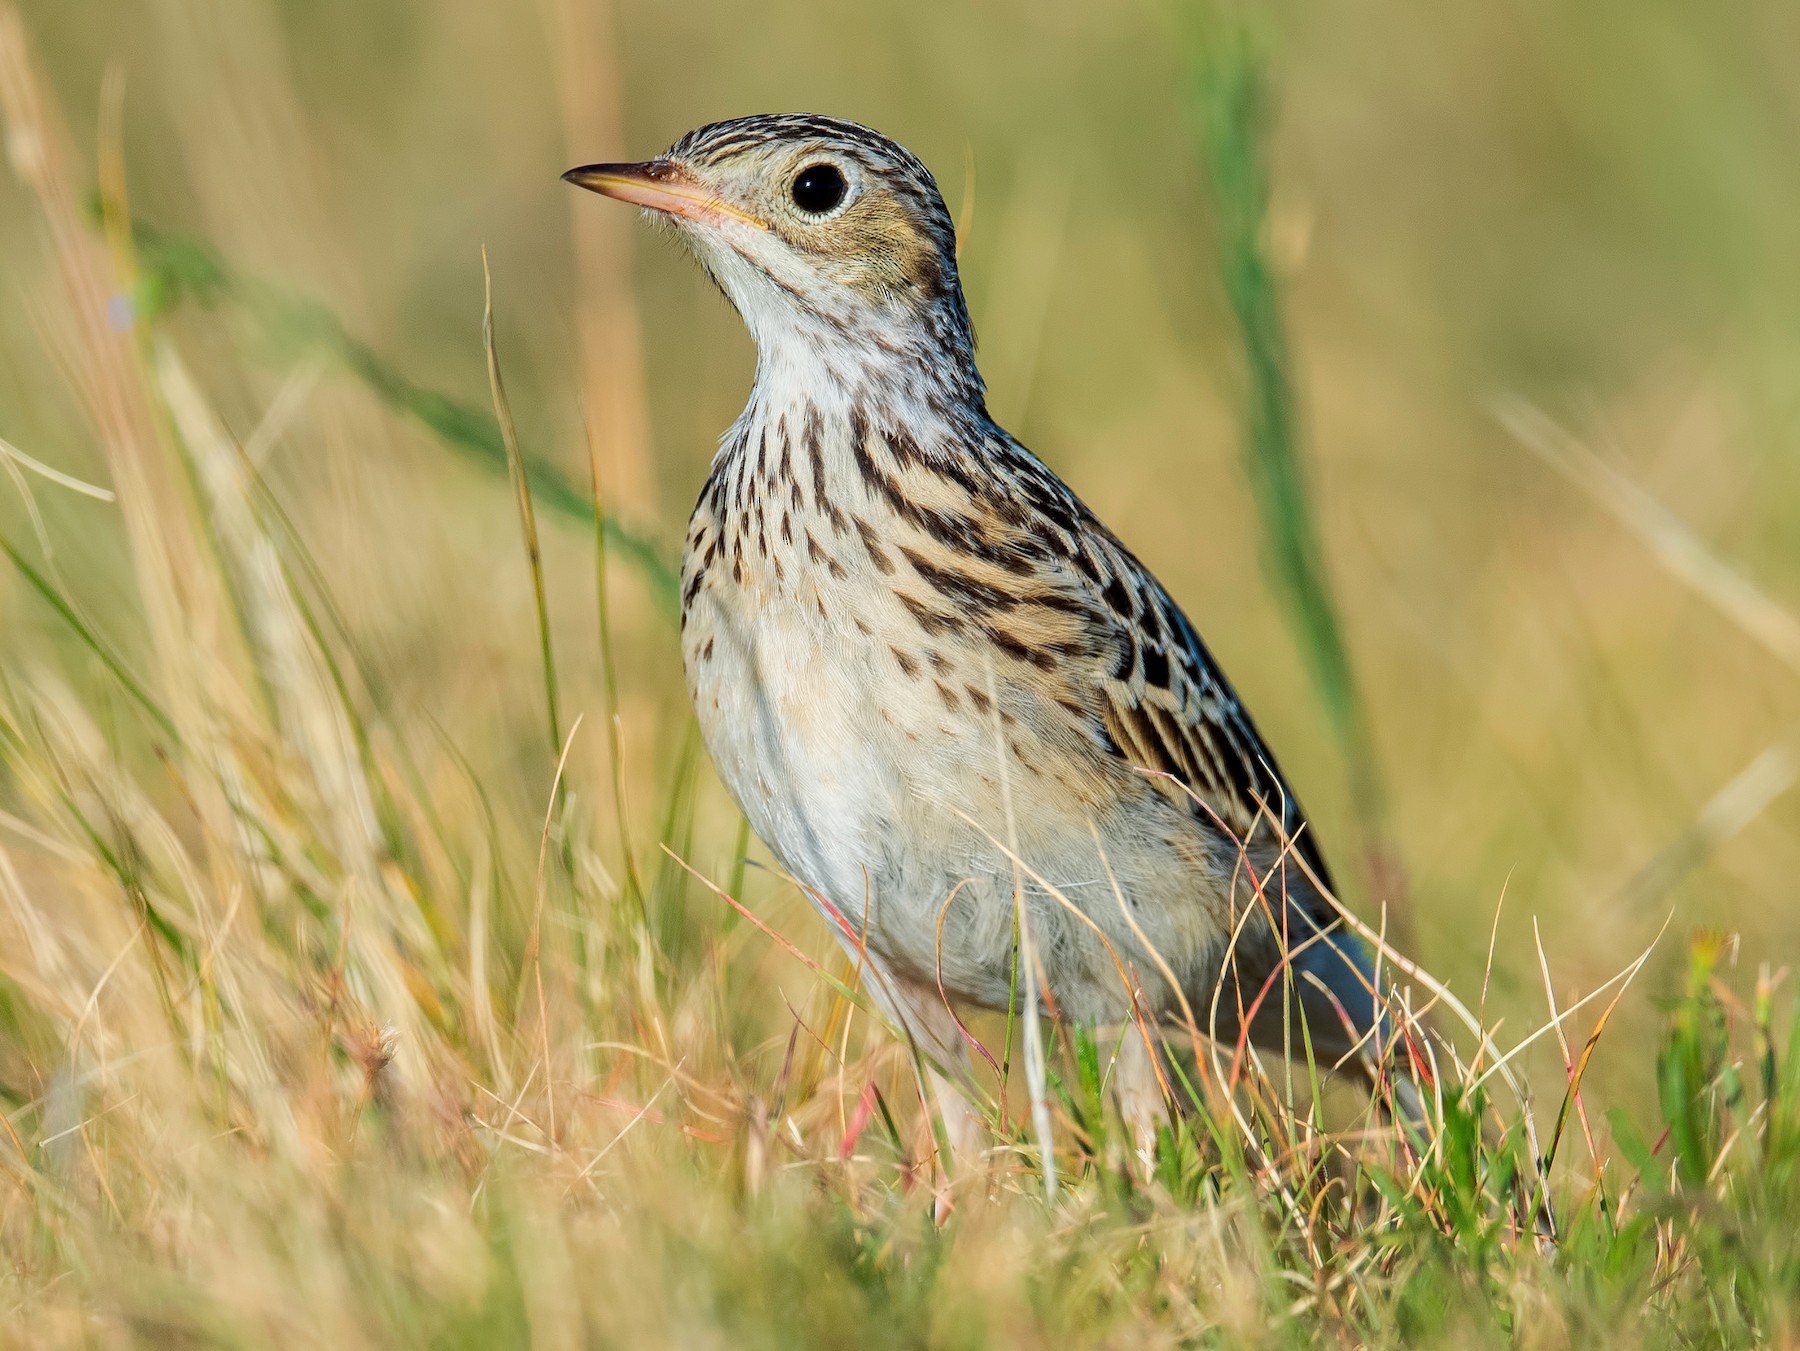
(1036, 1072)
(611, 352)
(1668, 539)
(1740, 800)
(786, 943)
(307, 700)
(534, 946)
(1554, 1025)
(1579, 1071)
(56, 476)
(174, 579)
(1572, 1094)
(1764, 619)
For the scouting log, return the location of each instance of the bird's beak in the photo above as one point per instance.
(660, 185)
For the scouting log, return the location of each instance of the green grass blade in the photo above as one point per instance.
(176, 268)
(92, 641)
(527, 516)
(609, 673)
(1231, 104)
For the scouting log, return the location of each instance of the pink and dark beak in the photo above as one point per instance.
(660, 185)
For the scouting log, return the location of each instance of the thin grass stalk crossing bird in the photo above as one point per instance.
(924, 669)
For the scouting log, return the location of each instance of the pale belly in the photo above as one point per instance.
(902, 816)
(785, 717)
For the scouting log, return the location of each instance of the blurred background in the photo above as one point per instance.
(1590, 209)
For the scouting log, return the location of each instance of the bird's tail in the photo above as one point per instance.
(1336, 990)
(1350, 994)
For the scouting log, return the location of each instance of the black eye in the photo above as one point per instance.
(819, 187)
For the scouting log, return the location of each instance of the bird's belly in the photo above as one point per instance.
(784, 716)
(906, 813)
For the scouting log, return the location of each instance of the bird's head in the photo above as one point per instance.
(820, 231)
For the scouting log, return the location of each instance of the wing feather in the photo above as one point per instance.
(1163, 703)
(1202, 730)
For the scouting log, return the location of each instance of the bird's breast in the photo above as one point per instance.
(780, 677)
(899, 716)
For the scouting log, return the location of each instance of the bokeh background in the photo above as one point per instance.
(1589, 208)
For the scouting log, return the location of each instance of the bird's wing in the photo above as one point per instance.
(1162, 702)
(1169, 707)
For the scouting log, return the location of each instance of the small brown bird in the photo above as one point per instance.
(933, 681)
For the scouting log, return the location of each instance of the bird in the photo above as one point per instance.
(952, 702)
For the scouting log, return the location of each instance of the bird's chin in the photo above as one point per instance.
(719, 262)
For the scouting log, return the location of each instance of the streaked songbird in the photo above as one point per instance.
(935, 683)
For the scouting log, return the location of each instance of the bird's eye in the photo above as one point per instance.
(818, 188)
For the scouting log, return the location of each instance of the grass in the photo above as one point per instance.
(327, 1019)
(174, 269)
(1231, 101)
